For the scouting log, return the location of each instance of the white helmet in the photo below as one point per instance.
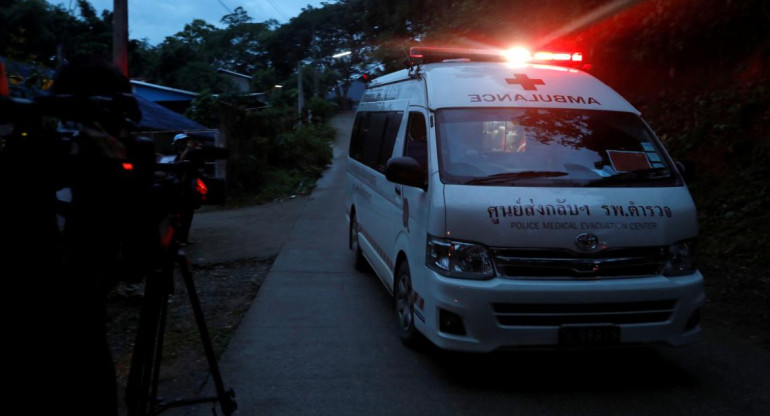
(180, 136)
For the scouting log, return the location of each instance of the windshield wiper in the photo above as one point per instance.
(509, 177)
(654, 174)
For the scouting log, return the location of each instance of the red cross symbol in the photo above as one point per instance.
(525, 82)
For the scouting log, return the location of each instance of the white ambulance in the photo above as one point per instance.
(516, 204)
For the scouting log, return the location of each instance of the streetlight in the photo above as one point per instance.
(340, 99)
(301, 98)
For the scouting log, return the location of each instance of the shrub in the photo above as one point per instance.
(270, 156)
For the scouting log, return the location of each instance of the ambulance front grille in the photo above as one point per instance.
(567, 264)
(517, 314)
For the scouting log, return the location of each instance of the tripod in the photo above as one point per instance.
(142, 388)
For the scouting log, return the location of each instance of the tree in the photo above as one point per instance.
(185, 60)
(34, 31)
(241, 44)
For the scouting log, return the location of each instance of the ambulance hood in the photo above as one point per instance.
(537, 217)
(493, 84)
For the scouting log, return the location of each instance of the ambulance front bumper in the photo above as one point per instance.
(501, 313)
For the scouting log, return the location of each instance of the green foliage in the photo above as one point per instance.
(307, 149)
(320, 109)
(271, 157)
(34, 31)
(725, 137)
(264, 80)
(205, 109)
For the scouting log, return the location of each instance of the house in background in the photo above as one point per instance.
(356, 90)
(241, 82)
(172, 98)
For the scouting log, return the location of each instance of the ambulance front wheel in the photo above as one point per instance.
(405, 306)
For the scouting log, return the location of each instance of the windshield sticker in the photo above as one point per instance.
(532, 98)
(562, 209)
(624, 161)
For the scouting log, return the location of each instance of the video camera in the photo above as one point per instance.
(123, 203)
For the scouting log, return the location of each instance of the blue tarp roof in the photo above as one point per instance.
(154, 116)
(159, 118)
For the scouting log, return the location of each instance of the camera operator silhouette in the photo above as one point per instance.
(60, 278)
(183, 144)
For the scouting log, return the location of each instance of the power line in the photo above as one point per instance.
(225, 6)
(278, 9)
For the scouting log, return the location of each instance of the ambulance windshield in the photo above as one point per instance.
(549, 147)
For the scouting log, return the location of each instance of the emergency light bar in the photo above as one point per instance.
(518, 55)
(558, 56)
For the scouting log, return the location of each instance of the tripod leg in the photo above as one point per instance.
(141, 391)
(225, 397)
(158, 355)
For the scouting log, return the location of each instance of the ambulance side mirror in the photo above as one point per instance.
(687, 170)
(406, 171)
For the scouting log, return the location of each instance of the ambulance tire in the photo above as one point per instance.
(404, 306)
(359, 262)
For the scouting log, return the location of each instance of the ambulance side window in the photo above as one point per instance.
(417, 139)
(357, 136)
(374, 134)
(393, 122)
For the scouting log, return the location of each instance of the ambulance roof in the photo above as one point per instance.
(501, 84)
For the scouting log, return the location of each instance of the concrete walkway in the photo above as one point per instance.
(309, 343)
(259, 232)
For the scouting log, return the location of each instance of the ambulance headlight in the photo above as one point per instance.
(460, 260)
(680, 259)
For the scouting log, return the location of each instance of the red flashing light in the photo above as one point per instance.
(201, 188)
(4, 87)
(558, 56)
(128, 166)
(516, 55)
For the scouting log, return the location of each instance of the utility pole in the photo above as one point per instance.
(120, 35)
(300, 93)
(315, 76)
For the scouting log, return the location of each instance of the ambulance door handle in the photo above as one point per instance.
(398, 191)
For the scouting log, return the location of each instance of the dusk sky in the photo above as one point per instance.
(154, 20)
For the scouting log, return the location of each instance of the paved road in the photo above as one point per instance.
(320, 340)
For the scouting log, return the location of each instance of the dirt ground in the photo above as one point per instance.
(226, 291)
(738, 302)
